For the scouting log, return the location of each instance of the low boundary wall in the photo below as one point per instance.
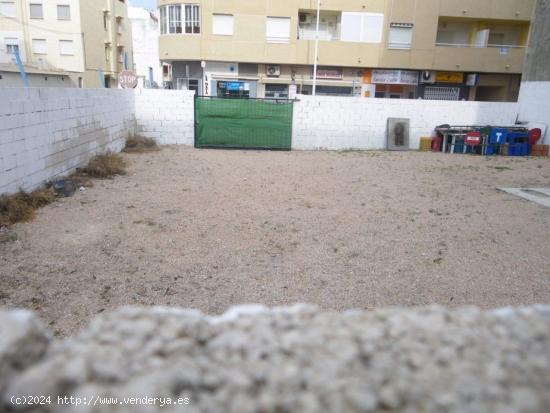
(337, 123)
(48, 132)
(166, 116)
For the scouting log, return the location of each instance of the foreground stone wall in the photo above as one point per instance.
(298, 359)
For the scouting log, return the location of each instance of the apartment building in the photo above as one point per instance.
(430, 49)
(48, 39)
(145, 36)
(75, 43)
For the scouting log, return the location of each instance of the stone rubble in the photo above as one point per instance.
(292, 359)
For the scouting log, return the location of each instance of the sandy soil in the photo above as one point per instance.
(210, 229)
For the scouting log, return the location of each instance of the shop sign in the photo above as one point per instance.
(330, 74)
(206, 85)
(235, 86)
(395, 77)
(449, 77)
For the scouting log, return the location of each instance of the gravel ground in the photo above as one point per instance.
(209, 229)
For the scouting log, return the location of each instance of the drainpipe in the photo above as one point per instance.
(316, 49)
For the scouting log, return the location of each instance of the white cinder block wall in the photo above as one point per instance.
(534, 107)
(48, 132)
(165, 115)
(336, 123)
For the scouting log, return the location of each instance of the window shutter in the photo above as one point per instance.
(400, 38)
(278, 30)
(222, 24)
(66, 47)
(362, 27)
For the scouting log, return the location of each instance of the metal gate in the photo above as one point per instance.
(243, 123)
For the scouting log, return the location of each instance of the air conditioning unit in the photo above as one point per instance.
(273, 70)
(305, 18)
(427, 76)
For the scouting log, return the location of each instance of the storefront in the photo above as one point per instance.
(233, 89)
(446, 86)
(391, 84)
(276, 91)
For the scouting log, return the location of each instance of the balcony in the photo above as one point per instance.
(481, 33)
(496, 59)
(329, 25)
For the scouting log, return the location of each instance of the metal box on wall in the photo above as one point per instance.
(398, 134)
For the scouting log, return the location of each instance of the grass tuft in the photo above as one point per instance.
(139, 144)
(20, 207)
(105, 166)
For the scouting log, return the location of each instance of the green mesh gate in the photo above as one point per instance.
(243, 123)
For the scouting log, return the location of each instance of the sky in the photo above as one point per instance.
(148, 4)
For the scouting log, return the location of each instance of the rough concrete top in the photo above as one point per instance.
(298, 359)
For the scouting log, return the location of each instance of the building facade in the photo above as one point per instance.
(107, 34)
(85, 42)
(431, 49)
(145, 36)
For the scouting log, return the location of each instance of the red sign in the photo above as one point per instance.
(127, 79)
(473, 138)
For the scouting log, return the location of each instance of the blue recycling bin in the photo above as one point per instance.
(497, 137)
(518, 143)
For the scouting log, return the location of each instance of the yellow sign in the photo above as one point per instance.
(449, 77)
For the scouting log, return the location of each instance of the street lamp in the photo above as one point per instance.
(316, 49)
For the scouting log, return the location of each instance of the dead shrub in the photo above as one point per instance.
(105, 166)
(20, 207)
(139, 144)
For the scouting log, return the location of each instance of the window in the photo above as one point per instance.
(105, 21)
(273, 91)
(35, 10)
(173, 18)
(362, 27)
(496, 39)
(107, 53)
(12, 45)
(188, 84)
(400, 36)
(66, 47)
(174, 14)
(222, 24)
(7, 8)
(334, 91)
(278, 29)
(39, 46)
(192, 19)
(63, 12)
(163, 20)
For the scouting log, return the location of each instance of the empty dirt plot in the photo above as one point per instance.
(209, 229)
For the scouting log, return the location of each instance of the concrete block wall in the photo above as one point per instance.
(335, 123)
(534, 107)
(165, 115)
(48, 132)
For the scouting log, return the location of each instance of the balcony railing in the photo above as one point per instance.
(324, 34)
(474, 46)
